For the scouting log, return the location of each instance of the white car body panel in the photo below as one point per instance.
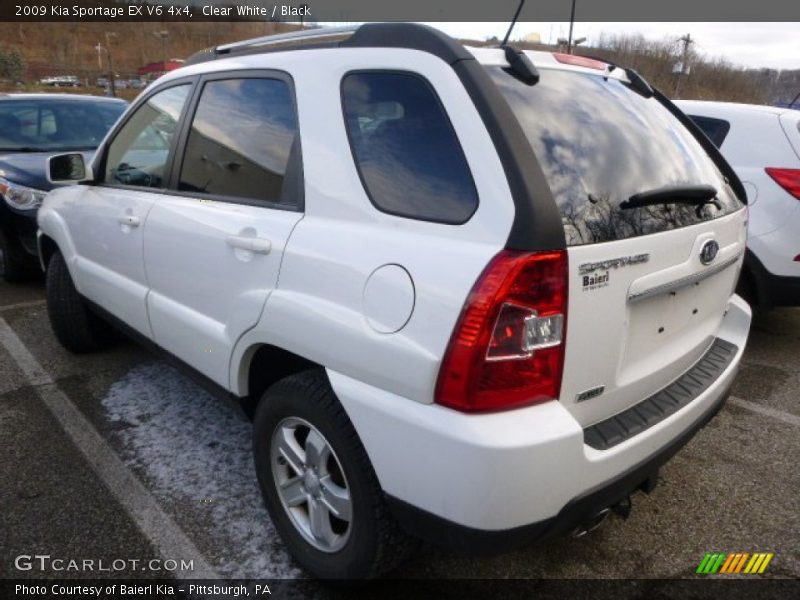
(176, 280)
(761, 137)
(507, 469)
(342, 239)
(790, 121)
(106, 226)
(204, 292)
(636, 359)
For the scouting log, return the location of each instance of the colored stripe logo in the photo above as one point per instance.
(734, 562)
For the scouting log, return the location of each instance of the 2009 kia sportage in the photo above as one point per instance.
(479, 295)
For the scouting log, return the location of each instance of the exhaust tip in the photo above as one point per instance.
(591, 524)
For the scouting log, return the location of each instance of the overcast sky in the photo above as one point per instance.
(774, 45)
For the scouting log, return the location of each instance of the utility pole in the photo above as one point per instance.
(164, 35)
(112, 85)
(687, 41)
(571, 23)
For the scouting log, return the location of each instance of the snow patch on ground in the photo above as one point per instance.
(196, 452)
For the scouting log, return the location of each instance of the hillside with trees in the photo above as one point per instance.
(707, 78)
(50, 49)
(31, 51)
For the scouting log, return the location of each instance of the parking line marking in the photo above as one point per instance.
(157, 526)
(766, 411)
(30, 304)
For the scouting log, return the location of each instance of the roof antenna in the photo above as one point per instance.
(513, 22)
(520, 66)
(796, 98)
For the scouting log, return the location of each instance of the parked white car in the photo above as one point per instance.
(475, 295)
(763, 144)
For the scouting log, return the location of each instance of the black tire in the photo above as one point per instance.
(76, 327)
(15, 263)
(376, 543)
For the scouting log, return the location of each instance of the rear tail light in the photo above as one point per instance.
(788, 179)
(507, 349)
(797, 258)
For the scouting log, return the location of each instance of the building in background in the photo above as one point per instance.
(155, 70)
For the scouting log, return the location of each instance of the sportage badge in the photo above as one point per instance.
(613, 263)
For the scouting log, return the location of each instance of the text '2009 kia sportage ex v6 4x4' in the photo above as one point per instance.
(475, 295)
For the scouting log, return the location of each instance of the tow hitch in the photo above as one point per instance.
(623, 508)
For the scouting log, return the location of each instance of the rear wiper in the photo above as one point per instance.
(697, 195)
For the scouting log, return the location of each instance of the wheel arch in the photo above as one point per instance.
(261, 366)
(54, 235)
(47, 247)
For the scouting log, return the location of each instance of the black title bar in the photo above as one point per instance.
(323, 11)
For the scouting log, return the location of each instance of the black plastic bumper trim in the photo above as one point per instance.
(636, 419)
(480, 542)
(772, 290)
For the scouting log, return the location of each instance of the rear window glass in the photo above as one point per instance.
(715, 129)
(406, 151)
(599, 143)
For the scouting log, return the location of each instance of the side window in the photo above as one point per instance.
(405, 148)
(138, 154)
(715, 129)
(241, 137)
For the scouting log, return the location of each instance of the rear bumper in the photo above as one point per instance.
(491, 482)
(773, 290)
(480, 542)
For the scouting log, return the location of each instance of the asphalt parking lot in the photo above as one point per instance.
(116, 455)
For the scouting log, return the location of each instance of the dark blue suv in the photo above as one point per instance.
(33, 127)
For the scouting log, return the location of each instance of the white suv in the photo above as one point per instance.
(477, 295)
(763, 145)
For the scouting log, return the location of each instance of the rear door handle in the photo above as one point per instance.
(129, 220)
(253, 244)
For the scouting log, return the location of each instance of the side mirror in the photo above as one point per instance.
(68, 168)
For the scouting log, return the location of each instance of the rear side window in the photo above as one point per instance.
(715, 129)
(405, 148)
(241, 137)
(599, 142)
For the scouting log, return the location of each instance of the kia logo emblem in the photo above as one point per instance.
(709, 252)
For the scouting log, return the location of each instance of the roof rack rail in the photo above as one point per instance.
(292, 36)
(368, 35)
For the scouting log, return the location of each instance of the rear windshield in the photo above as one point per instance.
(599, 142)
